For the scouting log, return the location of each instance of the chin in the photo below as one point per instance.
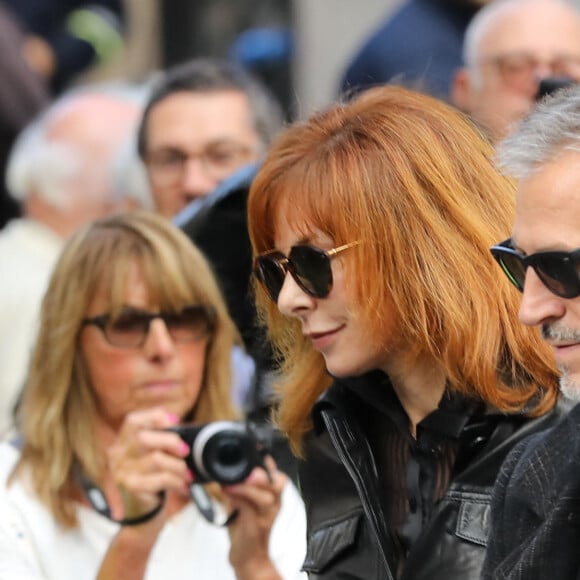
(570, 386)
(343, 371)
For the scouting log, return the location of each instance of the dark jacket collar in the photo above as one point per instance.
(375, 389)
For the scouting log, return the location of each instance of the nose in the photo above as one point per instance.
(196, 180)
(292, 300)
(544, 70)
(159, 345)
(538, 304)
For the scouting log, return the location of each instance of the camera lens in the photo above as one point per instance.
(228, 457)
(225, 452)
(229, 453)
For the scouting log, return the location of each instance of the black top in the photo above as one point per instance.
(414, 472)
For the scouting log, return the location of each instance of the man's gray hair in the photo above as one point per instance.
(550, 129)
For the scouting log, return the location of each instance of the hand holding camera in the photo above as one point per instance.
(225, 451)
(148, 461)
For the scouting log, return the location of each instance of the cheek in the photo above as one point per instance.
(193, 360)
(109, 374)
(108, 369)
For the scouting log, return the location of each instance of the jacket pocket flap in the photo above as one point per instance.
(473, 521)
(327, 543)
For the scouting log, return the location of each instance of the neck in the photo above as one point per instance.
(57, 220)
(419, 387)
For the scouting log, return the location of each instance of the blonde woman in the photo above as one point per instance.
(134, 339)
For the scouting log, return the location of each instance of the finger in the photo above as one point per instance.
(147, 440)
(137, 438)
(154, 418)
(155, 463)
(140, 484)
(137, 422)
(258, 491)
(259, 498)
(267, 476)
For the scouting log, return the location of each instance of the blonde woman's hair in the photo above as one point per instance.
(413, 181)
(58, 409)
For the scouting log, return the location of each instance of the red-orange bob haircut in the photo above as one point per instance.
(415, 182)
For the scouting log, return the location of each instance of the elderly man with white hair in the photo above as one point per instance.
(63, 169)
(509, 46)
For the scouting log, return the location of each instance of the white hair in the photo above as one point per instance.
(42, 166)
(552, 128)
(35, 165)
(129, 176)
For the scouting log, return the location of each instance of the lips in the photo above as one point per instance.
(161, 385)
(562, 352)
(321, 340)
(315, 335)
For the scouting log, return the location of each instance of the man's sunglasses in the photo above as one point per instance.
(558, 271)
(309, 266)
(130, 329)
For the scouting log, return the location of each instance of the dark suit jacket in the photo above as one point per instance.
(536, 508)
(419, 45)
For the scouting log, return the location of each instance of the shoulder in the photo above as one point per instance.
(542, 457)
(9, 454)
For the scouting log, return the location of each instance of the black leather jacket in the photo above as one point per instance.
(348, 537)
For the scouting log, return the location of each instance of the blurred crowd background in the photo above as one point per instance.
(300, 47)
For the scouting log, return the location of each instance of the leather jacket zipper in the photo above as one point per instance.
(334, 431)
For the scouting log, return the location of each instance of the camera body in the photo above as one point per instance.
(224, 451)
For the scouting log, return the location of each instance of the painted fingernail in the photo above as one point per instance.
(183, 448)
(173, 418)
(190, 476)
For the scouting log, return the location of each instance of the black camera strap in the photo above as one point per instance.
(99, 502)
(210, 509)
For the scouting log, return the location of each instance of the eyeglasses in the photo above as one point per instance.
(131, 327)
(167, 166)
(558, 271)
(309, 266)
(519, 70)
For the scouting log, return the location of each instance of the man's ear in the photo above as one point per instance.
(461, 90)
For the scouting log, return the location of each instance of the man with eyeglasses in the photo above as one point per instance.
(206, 121)
(536, 506)
(509, 47)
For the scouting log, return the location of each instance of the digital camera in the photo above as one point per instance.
(224, 451)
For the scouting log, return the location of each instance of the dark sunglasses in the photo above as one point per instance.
(309, 266)
(130, 329)
(558, 271)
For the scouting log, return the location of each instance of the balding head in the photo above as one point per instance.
(95, 122)
(63, 162)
